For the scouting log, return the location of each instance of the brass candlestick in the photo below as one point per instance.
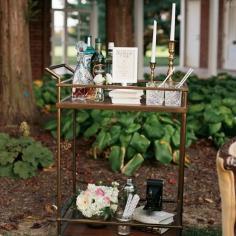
(171, 58)
(152, 67)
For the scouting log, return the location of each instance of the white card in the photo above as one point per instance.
(124, 65)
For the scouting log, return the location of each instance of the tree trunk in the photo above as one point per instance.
(16, 95)
(119, 22)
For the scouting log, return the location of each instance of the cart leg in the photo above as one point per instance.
(74, 169)
(59, 172)
(179, 232)
(181, 173)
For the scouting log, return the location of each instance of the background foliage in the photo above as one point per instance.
(126, 139)
(22, 157)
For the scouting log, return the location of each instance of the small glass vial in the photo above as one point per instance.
(129, 188)
(109, 58)
(122, 229)
(88, 53)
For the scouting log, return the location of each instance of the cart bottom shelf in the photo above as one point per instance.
(84, 230)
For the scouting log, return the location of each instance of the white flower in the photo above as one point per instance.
(94, 199)
(108, 78)
(99, 79)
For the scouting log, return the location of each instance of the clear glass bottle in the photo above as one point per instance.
(98, 60)
(88, 53)
(82, 76)
(109, 57)
(128, 189)
(98, 67)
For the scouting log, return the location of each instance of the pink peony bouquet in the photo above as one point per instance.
(98, 201)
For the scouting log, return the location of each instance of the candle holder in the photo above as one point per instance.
(152, 67)
(171, 57)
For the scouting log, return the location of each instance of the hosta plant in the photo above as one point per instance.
(22, 157)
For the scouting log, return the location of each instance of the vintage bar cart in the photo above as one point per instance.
(63, 210)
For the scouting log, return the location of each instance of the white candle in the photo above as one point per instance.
(153, 57)
(172, 29)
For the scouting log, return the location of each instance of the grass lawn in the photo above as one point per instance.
(201, 232)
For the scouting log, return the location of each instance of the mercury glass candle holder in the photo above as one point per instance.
(154, 97)
(172, 98)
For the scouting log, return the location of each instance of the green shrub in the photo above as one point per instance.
(201, 232)
(130, 138)
(22, 157)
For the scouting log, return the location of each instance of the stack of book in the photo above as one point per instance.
(155, 217)
(125, 96)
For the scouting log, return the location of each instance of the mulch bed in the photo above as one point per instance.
(32, 199)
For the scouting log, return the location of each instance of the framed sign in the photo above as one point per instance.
(124, 65)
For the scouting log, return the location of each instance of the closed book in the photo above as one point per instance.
(156, 217)
(125, 93)
(125, 100)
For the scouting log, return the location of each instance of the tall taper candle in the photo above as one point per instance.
(172, 29)
(153, 57)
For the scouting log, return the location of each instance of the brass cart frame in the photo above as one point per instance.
(66, 103)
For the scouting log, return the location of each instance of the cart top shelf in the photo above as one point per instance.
(68, 103)
(107, 105)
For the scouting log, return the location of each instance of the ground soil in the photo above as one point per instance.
(26, 205)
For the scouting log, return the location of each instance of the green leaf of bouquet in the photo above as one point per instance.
(116, 158)
(163, 152)
(24, 169)
(133, 165)
(139, 142)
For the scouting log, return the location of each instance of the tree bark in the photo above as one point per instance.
(119, 22)
(16, 95)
